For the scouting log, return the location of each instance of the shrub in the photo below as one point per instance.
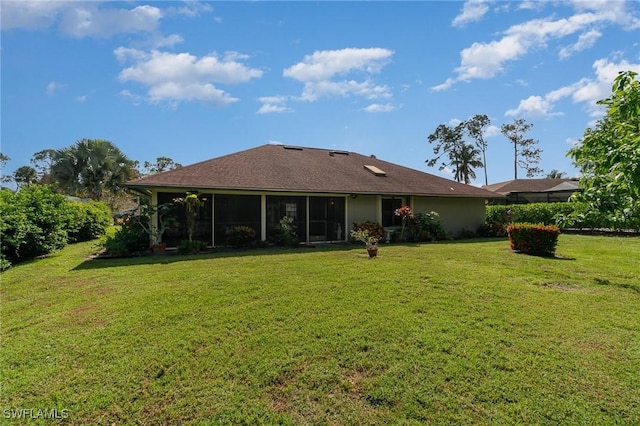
(374, 229)
(33, 222)
(127, 240)
(535, 239)
(427, 227)
(191, 247)
(241, 236)
(89, 221)
(286, 234)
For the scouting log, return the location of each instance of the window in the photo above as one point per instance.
(389, 206)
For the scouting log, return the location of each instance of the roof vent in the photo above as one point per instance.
(296, 148)
(332, 153)
(376, 171)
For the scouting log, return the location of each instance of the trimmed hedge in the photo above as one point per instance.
(563, 215)
(535, 239)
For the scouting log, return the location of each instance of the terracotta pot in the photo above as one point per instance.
(373, 251)
(159, 248)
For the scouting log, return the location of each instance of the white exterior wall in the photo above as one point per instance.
(456, 214)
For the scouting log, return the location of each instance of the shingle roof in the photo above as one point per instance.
(283, 168)
(531, 185)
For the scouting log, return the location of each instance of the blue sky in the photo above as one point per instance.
(197, 80)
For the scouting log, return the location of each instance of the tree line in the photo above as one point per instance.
(90, 168)
(451, 148)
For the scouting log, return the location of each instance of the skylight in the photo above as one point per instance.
(376, 171)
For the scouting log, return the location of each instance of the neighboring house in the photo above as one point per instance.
(324, 191)
(522, 191)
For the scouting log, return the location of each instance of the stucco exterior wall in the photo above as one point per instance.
(456, 214)
(363, 208)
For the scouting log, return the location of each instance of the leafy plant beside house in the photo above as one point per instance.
(241, 236)
(129, 239)
(165, 221)
(373, 228)
(405, 213)
(427, 227)
(371, 241)
(192, 203)
(534, 239)
(286, 234)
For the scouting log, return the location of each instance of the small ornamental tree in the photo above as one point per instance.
(535, 239)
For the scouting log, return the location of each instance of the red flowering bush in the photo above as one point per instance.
(536, 239)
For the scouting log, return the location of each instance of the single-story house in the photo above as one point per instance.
(523, 191)
(324, 191)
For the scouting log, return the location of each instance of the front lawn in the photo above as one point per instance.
(449, 333)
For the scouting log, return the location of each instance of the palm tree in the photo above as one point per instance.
(555, 174)
(464, 162)
(91, 167)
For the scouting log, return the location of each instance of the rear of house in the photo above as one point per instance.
(323, 191)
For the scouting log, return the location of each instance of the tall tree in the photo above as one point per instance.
(42, 162)
(25, 175)
(464, 163)
(555, 174)
(476, 127)
(4, 159)
(462, 157)
(162, 164)
(525, 153)
(91, 167)
(609, 157)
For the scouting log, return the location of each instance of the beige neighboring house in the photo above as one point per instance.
(324, 191)
(523, 191)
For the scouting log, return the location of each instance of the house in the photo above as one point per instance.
(324, 191)
(522, 191)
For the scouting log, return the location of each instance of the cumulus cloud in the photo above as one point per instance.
(96, 19)
(176, 77)
(325, 64)
(587, 91)
(585, 41)
(484, 60)
(472, 11)
(380, 108)
(273, 104)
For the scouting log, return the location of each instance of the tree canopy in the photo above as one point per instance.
(608, 156)
(462, 157)
(525, 153)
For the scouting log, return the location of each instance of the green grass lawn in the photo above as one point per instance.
(461, 332)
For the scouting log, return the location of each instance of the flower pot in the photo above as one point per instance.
(373, 251)
(159, 248)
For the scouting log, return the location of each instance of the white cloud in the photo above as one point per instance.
(486, 60)
(175, 77)
(318, 89)
(54, 87)
(30, 15)
(472, 11)
(380, 108)
(273, 104)
(89, 20)
(81, 99)
(492, 131)
(325, 64)
(585, 41)
(587, 91)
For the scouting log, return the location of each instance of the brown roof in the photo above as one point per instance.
(528, 185)
(284, 168)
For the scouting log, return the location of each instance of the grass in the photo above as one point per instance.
(451, 333)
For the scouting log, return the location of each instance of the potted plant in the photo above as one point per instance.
(371, 241)
(156, 232)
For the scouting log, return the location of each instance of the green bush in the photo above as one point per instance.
(286, 234)
(33, 222)
(89, 221)
(191, 247)
(128, 240)
(563, 215)
(241, 236)
(535, 239)
(374, 229)
(427, 227)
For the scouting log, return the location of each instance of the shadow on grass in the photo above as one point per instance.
(174, 257)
